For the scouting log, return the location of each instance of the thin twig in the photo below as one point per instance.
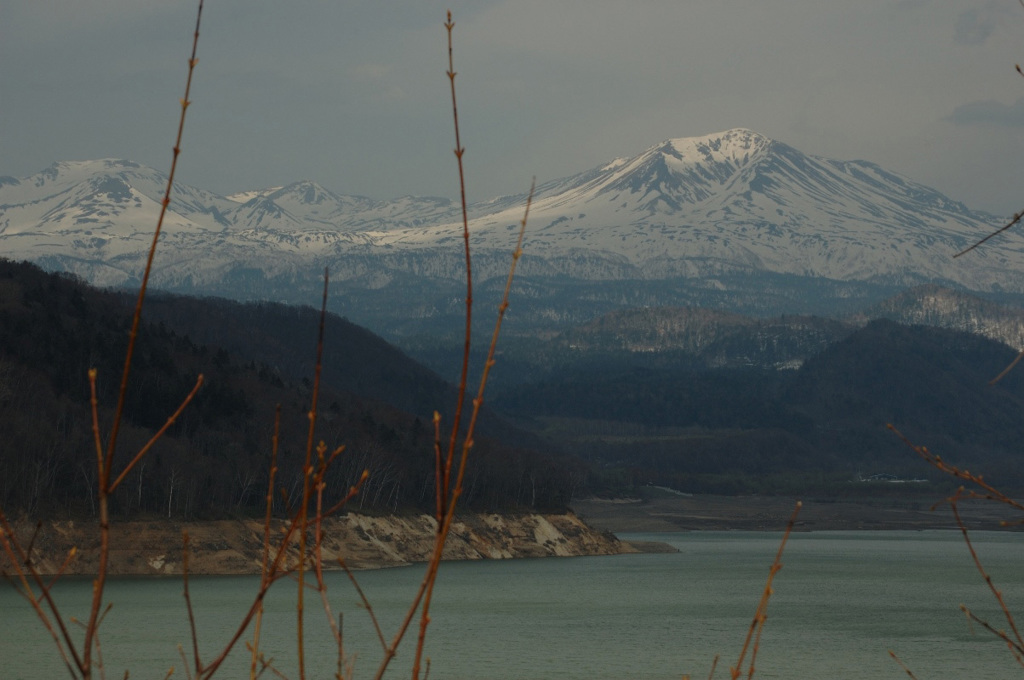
(1016, 218)
(757, 645)
(1017, 643)
(298, 523)
(464, 374)
(1001, 634)
(188, 602)
(902, 665)
(63, 567)
(443, 481)
(714, 664)
(265, 664)
(353, 491)
(152, 249)
(762, 607)
(991, 493)
(438, 468)
(274, 442)
(306, 483)
(468, 441)
(318, 560)
(32, 542)
(159, 433)
(107, 461)
(17, 557)
(275, 572)
(97, 437)
(450, 493)
(366, 603)
(1005, 371)
(184, 662)
(99, 651)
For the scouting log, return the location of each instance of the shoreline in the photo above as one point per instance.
(235, 546)
(665, 512)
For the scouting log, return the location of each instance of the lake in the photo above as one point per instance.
(841, 601)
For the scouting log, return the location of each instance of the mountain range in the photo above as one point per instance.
(729, 220)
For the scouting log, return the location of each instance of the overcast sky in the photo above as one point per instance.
(352, 94)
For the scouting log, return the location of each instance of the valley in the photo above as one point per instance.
(716, 315)
(700, 401)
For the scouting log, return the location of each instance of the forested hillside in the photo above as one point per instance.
(214, 460)
(792, 405)
(813, 429)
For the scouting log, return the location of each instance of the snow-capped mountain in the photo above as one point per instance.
(740, 201)
(686, 219)
(96, 219)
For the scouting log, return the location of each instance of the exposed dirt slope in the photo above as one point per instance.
(235, 546)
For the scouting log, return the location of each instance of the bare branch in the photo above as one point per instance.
(902, 665)
(366, 604)
(1016, 218)
(159, 433)
(1007, 370)
(761, 613)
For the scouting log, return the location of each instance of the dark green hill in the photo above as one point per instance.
(214, 461)
(355, 360)
(284, 337)
(931, 383)
(817, 427)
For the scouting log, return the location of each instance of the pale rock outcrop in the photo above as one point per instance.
(362, 541)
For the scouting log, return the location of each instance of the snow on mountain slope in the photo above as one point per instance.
(302, 206)
(741, 200)
(733, 201)
(245, 196)
(114, 197)
(99, 212)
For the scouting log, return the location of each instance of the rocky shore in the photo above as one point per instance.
(154, 547)
(235, 546)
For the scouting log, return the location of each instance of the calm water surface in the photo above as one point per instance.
(841, 601)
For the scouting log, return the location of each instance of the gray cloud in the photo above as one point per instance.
(352, 93)
(990, 112)
(976, 25)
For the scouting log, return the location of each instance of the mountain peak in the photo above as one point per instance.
(734, 142)
(304, 191)
(683, 171)
(86, 168)
(734, 147)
